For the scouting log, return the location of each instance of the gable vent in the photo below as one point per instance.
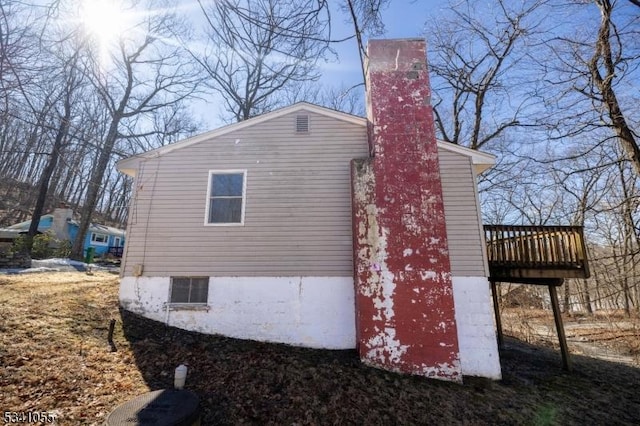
(302, 124)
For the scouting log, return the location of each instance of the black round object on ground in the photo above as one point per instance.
(167, 407)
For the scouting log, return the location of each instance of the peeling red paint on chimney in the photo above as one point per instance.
(405, 315)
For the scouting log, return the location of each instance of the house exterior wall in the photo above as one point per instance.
(100, 249)
(286, 275)
(297, 214)
(477, 341)
(44, 224)
(462, 215)
(479, 354)
(58, 224)
(314, 312)
(462, 210)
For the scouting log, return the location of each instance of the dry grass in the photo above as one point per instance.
(53, 346)
(608, 335)
(55, 358)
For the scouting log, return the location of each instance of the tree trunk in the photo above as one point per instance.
(93, 190)
(604, 56)
(587, 297)
(43, 187)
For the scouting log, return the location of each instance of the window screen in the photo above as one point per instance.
(226, 197)
(189, 289)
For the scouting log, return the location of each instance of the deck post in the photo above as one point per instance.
(496, 310)
(562, 339)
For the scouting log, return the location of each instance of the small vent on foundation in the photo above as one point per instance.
(302, 124)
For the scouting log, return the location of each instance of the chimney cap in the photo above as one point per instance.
(397, 55)
(393, 40)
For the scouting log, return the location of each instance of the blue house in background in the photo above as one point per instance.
(101, 237)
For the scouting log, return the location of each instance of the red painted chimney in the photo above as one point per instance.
(405, 318)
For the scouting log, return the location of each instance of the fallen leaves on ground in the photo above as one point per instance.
(55, 358)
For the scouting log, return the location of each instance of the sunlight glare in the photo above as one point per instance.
(104, 21)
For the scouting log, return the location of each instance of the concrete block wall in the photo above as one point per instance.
(11, 259)
(476, 328)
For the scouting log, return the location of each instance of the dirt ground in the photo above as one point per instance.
(610, 336)
(55, 359)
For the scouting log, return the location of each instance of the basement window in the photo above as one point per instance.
(302, 123)
(189, 291)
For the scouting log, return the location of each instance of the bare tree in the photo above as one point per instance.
(608, 58)
(366, 18)
(147, 75)
(17, 44)
(19, 76)
(44, 79)
(474, 58)
(256, 49)
(71, 81)
(339, 98)
(589, 69)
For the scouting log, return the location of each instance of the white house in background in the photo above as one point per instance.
(246, 231)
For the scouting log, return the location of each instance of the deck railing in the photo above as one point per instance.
(116, 251)
(536, 251)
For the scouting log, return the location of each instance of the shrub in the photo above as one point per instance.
(40, 248)
(20, 244)
(63, 250)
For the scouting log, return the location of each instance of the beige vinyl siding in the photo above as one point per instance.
(461, 207)
(298, 205)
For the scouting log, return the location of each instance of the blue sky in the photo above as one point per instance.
(403, 19)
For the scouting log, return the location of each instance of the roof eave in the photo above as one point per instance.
(481, 161)
(129, 166)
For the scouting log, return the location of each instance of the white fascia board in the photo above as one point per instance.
(481, 160)
(129, 165)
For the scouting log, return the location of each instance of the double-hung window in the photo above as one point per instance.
(226, 197)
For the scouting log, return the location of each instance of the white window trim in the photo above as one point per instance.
(98, 243)
(244, 196)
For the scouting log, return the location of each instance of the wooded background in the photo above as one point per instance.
(550, 87)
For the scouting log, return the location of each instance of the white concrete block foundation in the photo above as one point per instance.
(477, 339)
(315, 312)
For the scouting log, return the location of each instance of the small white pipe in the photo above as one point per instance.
(180, 376)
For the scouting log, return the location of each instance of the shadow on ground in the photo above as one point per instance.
(240, 381)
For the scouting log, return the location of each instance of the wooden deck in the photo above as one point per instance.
(541, 255)
(536, 254)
